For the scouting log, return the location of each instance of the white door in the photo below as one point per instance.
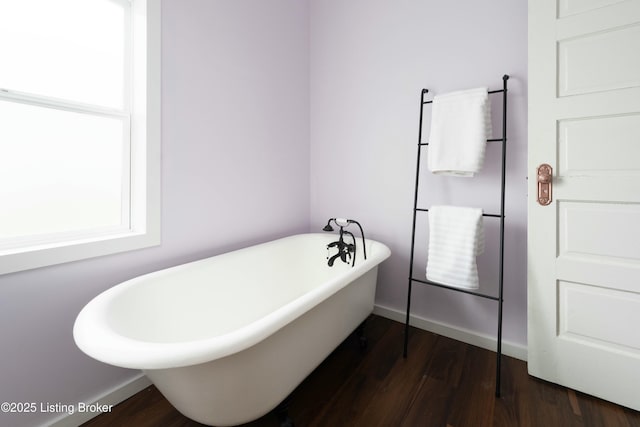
(584, 247)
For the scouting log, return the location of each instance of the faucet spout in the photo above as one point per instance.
(333, 259)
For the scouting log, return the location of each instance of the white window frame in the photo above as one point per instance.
(143, 199)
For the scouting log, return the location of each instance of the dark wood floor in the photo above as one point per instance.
(443, 383)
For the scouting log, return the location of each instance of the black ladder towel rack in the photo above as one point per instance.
(412, 279)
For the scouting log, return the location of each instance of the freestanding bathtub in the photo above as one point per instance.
(226, 339)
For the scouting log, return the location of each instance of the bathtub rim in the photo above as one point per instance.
(93, 335)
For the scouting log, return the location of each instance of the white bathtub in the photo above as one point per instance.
(226, 339)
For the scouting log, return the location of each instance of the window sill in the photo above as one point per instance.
(26, 258)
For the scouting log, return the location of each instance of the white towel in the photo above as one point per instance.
(456, 237)
(460, 127)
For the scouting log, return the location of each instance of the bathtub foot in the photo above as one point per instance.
(282, 412)
(362, 339)
(286, 422)
(363, 342)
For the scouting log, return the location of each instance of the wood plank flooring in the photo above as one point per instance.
(443, 383)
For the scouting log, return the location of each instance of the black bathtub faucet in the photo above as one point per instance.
(344, 249)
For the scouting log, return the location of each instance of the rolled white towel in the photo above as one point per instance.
(456, 237)
(460, 127)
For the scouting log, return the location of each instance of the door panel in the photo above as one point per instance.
(582, 151)
(589, 64)
(606, 232)
(584, 316)
(571, 7)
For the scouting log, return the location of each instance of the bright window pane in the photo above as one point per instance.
(69, 49)
(60, 171)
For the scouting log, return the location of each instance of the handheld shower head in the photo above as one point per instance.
(328, 227)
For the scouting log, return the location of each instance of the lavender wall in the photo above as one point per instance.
(369, 60)
(234, 172)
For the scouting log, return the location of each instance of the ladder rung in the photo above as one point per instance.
(488, 140)
(484, 214)
(453, 288)
(489, 92)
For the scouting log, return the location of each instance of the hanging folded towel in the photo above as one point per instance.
(460, 127)
(456, 237)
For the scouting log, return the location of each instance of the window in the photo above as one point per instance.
(79, 129)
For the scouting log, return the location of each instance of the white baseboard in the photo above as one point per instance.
(111, 397)
(518, 351)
